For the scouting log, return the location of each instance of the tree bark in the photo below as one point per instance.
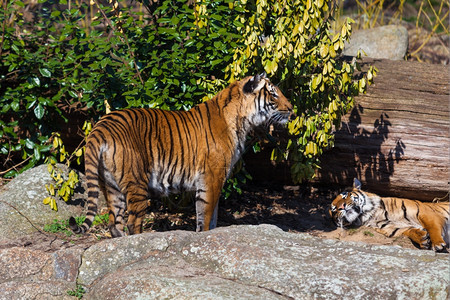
(396, 138)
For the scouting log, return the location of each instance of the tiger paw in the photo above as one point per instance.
(439, 246)
(426, 242)
(419, 237)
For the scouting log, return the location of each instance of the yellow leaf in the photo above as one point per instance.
(344, 31)
(369, 75)
(332, 52)
(345, 78)
(306, 19)
(55, 142)
(51, 189)
(362, 85)
(295, 31)
(335, 107)
(323, 50)
(336, 46)
(314, 148)
(273, 156)
(316, 81)
(53, 205)
(79, 152)
(47, 200)
(347, 68)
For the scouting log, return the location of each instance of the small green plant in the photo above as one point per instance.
(62, 226)
(368, 233)
(101, 219)
(78, 292)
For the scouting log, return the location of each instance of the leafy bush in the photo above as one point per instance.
(172, 56)
(294, 44)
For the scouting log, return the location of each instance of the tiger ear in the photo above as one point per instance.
(254, 84)
(356, 184)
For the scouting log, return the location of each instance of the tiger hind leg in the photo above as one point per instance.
(137, 206)
(116, 205)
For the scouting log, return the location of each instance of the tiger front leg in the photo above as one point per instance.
(206, 205)
(435, 231)
(418, 236)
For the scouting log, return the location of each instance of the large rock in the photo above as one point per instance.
(21, 204)
(390, 42)
(31, 274)
(237, 262)
(257, 261)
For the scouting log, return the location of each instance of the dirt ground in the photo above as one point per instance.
(292, 208)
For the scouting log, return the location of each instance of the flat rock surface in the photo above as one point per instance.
(245, 262)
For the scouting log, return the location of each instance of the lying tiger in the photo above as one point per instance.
(136, 154)
(426, 224)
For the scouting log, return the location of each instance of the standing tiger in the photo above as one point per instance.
(136, 154)
(426, 224)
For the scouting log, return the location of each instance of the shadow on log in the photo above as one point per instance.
(396, 138)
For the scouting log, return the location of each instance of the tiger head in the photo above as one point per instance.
(349, 207)
(266, 100)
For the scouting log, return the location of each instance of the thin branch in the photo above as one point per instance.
(14, 167)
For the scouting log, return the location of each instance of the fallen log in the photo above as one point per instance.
(396, 138)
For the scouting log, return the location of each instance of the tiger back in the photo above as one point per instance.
(136, 154)
(426, 224)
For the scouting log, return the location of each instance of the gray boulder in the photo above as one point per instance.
(261, 262)
(21, 204)
(390, 42)
(31, 274)
(236, 262)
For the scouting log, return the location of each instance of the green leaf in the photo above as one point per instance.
(15, 105)
(45, 72)
(37, 153)
(39, 111)
(72, 94)
(29, 144)
(35, 81)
